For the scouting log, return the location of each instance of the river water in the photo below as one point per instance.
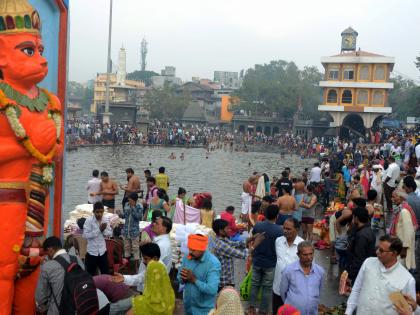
(221, 174)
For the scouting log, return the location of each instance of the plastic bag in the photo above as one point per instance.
(245, 287)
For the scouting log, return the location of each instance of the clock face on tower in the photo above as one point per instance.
(348, 43)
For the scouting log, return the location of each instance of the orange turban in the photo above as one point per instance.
(197, 242)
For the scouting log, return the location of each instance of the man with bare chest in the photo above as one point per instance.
(108, 190)
(287, 205)
(299, 187)
(133, 185)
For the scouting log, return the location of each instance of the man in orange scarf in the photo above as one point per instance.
(200, 273)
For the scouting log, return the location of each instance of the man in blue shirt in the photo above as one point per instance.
(200, 272)
(301, 281)
(264, 262)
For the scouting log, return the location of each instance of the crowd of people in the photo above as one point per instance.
(372, 193)
(81, 132)
(370, 204)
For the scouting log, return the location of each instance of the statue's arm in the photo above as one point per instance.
(10, 150)
(60, 144)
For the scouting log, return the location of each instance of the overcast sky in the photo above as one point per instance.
(199, 37)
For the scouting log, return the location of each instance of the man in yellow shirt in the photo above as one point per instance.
(162, 180)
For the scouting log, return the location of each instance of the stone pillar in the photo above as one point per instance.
(106, 118)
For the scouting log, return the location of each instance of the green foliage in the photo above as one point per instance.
(79, 90)
(417, 62)
(166, 103)
(75, 89)
(145, 76)
(277, 87)
(404, 98)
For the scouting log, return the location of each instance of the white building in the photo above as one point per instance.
(169, 71)
(158, 81)
(122, 68)
(227, 78)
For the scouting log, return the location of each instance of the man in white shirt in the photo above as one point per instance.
(325, 166)
(378, 278)
(392, 174)
(417, 150)
(315, 174)
(93, 186)
(162, 227)
(95, 230)
(286, 252)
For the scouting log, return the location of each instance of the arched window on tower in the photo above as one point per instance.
(347, 97)
(332, 97)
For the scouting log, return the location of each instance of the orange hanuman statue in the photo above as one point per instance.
(30, 139)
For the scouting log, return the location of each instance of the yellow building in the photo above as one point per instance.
(121, 90)
(356, 85)
(118, 93)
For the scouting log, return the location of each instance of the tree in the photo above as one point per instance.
(145, 76)
(404, 98)
(167, 103)
(85, 93)
(417, 62)
(75, 89)
(311, 92)
(277, 87)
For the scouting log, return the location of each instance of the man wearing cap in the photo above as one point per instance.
(200, 273)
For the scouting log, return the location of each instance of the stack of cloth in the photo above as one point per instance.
(86, 211)
(179, 238)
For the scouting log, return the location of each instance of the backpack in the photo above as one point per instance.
(79, 295)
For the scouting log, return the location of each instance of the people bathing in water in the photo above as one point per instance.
(172, 156)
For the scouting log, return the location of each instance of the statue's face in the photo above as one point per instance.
(21, 59)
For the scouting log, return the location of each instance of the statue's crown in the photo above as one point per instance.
(18, 16)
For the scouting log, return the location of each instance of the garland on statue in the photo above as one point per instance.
(37, 104)
(10, 100)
